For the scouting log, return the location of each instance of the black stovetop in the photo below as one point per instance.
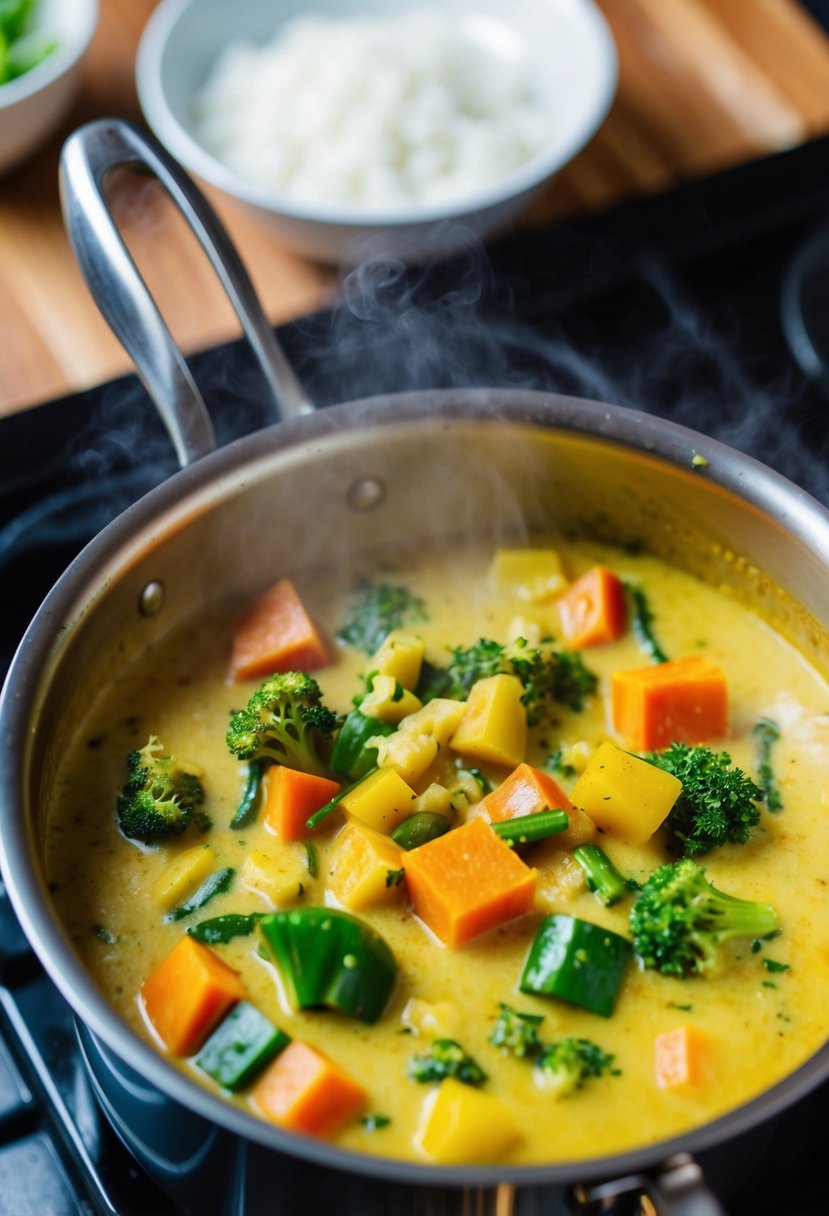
(670, 304)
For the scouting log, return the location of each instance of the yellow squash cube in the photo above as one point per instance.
(184, 873)
(625, 795)
(494, 727)
(409, 755)
(381, 800)
(363, 861)
(388, 700)
(400, 656)
(462, 1125)
(281, 881)
(534, 575)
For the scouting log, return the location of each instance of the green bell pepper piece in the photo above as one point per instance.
(241, 1045)
(576, 961)
(351, 756)
(420, 829)
(331, 959)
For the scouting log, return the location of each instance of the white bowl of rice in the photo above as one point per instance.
(400, 127)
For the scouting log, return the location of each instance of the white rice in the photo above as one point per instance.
(372, 114)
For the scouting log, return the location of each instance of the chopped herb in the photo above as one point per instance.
(311, 859)
(104, 934)
(683, 1008)
(556, 764)
(221, 929)
(771, 964)
(767, 733)
(373, 1123)
(394, 877)
(642, 623)
(769, 984)
(215, 884)
(379, 609)
(446, 1058)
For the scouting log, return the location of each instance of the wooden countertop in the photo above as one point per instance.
(704, 84)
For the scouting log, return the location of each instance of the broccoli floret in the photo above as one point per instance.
(446, 1058)
(381, 608)
(718, 801)
(160, 798)
(284, 721)
(517, 1033)
(680, 919)
(564, 1066)
(547, 675)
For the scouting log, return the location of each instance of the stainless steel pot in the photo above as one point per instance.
(320, 489)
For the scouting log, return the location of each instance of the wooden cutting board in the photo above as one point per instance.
(704, 84)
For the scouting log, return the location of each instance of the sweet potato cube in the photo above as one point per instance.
(188, 994)
(276, 634)
(625, 795)
(466, 882)
(307, 1092)
(400, 655)
(682, 701)
(291, 797)
(533, 575)
(381, 800)
(494, 726)
(462, 1125)
(363, 861)
(680, 1057)
(592, 610)
(525, 791)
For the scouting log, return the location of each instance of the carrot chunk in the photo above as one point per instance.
(276, 634)
(683, 701)
(592, 611)
(188, 994)
(466, 882)
(291, 797)
(679, 1057)
(524, 792)
(307, 1092)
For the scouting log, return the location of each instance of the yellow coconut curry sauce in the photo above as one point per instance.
(745, 1023)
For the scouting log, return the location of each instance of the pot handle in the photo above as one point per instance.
(677, 1188)
(121, 294)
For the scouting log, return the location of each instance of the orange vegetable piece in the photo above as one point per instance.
(291, 797)
(682, 701)
(592, 610)
(276, 634)
(524, 792)
(679, 1057)
(188, 994)
(467, 882)
(307, 1092)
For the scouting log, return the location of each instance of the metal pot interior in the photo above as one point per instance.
(380, 478)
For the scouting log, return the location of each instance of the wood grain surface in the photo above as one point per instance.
(703, 84)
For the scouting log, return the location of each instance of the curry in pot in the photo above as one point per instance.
(512, 856)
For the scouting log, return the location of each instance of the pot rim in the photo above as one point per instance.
(229, 469)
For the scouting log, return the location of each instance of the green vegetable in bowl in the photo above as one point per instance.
(21, 47)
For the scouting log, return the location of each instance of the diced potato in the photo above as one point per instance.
(494, 727)
(439, 718)
(363, 860)
(624, 794)
(405, 753)
(184, 873)
(560, 880)
(461, 1124)
(432, 1019)
(435, 798)
(388, 700)
(400, 656)
(535, 575)
(279, 881)
(381, 800)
